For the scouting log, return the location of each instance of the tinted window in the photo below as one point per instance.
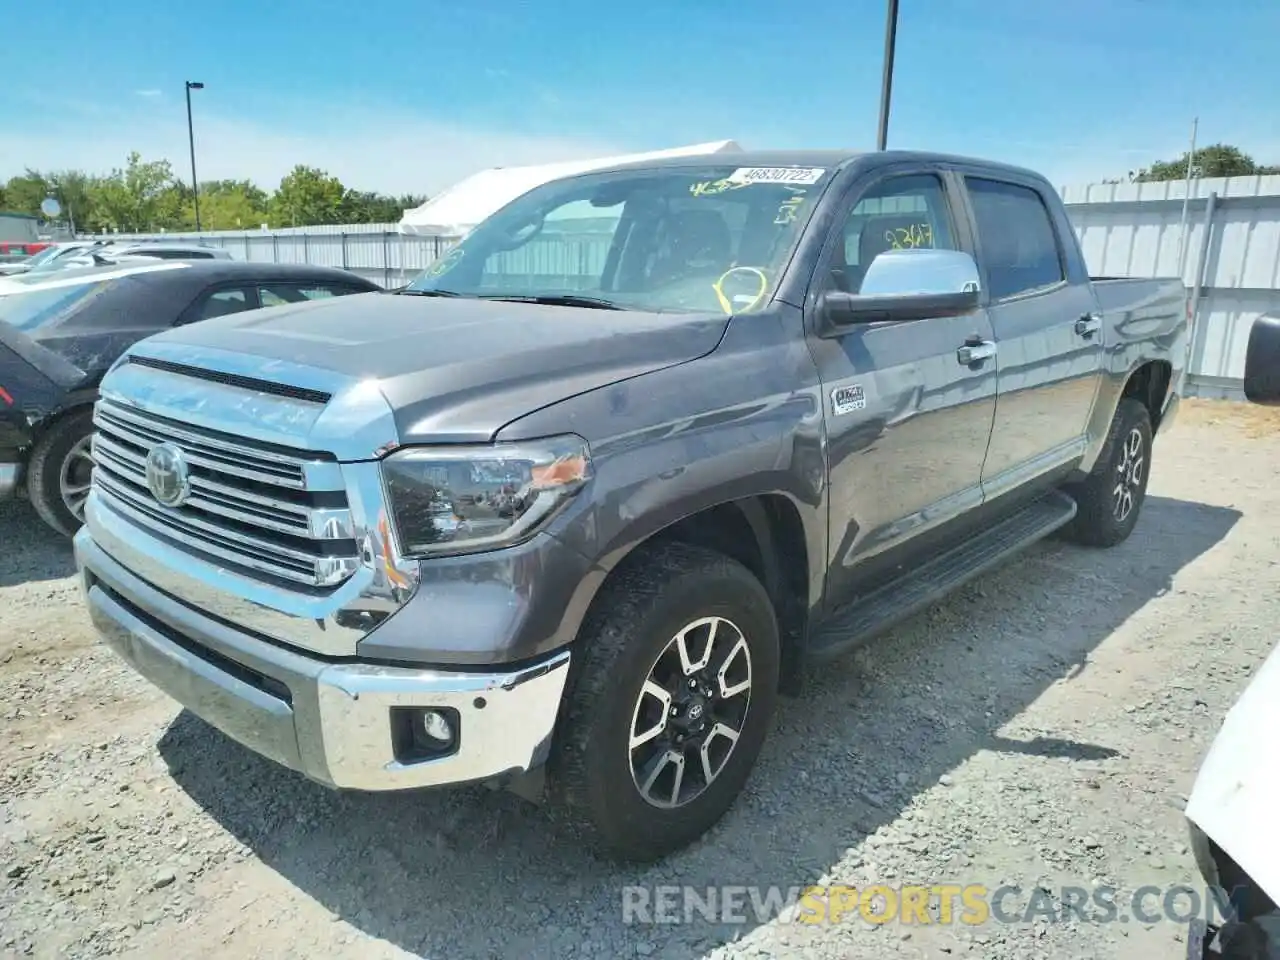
(173, 254)
(1019, 244)
(277, 294)
(224, 302)
(900, 213)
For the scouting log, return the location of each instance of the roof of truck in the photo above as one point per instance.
(829, 159)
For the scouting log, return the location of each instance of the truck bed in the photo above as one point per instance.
(1118, 295)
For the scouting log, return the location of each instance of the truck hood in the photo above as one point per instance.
(455, 370)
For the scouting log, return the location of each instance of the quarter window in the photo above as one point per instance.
(1017, 237)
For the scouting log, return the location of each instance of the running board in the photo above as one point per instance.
(930, 582)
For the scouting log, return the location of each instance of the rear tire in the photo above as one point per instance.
(674, 632)
(1111, 497)
(58, 473)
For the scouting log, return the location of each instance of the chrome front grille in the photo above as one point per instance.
(274, 513)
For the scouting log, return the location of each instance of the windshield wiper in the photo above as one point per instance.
(405, 291)
(560, 300)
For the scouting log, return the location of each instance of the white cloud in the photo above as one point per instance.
(388, 152)
(149, 93)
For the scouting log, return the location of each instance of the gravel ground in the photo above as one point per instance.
(1041, 727)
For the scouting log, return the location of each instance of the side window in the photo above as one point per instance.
(278, 294)
(899, 213)
(1019, 244)
(222, 302)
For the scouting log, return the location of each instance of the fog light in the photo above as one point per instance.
(425, 733)
(437, 727)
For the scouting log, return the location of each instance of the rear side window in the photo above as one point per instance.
(223, 302)
(1019, 243)
(277, 294)
(174, 254)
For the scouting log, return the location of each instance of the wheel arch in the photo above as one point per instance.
(764, 532)
(1148, 382)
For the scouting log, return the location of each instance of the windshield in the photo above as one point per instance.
(687, 239)
(48, 254)
(44, 307)
(58, 257)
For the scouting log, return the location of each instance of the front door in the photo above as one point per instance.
(907, 421)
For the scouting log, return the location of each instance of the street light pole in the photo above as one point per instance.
(886, 84)
(191, 136)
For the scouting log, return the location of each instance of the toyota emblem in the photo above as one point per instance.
(168, 476)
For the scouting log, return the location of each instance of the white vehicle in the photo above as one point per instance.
(126, 252)
(51, 257)
(1234, 808)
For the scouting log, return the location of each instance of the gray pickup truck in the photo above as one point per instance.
(571, 510)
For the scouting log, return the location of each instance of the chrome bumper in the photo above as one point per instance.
(10, 479)
(329, 721)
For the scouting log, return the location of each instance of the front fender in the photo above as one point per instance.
(744, 421)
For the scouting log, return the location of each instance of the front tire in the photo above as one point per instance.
(670, 702)
(1111, 497)
(58, 473)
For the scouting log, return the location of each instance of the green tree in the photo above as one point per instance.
(144, 196)
(229, 205)
(307, 196)
(24, 194)
(74, 190)
(1216, 160)
(366, 207)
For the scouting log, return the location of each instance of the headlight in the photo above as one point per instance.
(470, 498)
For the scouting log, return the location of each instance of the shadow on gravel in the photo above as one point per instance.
(478, 874)
(29, 550)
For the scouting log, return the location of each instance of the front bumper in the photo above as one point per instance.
(10, 480)
(330, 721)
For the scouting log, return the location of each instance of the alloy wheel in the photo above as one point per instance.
(1129, 474)
(690, 712)
(74, 477)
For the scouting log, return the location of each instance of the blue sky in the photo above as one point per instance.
(398, 95)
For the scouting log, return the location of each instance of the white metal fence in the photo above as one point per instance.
(1230, 259)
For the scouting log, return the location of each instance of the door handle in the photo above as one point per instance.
(975, 351)
(1088, 325)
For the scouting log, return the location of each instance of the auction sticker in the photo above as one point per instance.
(776, 175)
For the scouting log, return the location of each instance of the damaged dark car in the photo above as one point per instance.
(59, 335)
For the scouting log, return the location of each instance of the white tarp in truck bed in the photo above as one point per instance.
(466, 203)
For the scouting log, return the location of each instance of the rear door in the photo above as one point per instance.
(1049, 339)
(907, 422)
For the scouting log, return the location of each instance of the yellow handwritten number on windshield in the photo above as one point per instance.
(788, 210)
(726, 304)
(445, 263)
(709, 188)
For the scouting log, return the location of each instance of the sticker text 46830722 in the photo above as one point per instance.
(776, 175)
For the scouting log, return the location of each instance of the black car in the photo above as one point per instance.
(60, 336)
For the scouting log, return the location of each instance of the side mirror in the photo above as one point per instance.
(1262, 362)
(904, 285)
